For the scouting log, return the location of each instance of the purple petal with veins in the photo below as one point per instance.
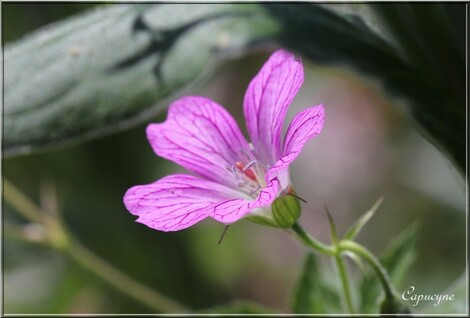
(175, 202)
(178, 201)
(304, 126)
(234, 177)
(266, 101)
(232, 210)
(201, 136)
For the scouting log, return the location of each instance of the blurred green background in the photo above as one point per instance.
(367, 149)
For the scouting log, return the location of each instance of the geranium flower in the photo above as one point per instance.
(234, 178)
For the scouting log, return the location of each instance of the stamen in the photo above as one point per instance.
(249, 165)
(242, 184)
(235, 172)
(239, 165)
(255, 190)
(247, 172)
(245, 153)
(250, 174)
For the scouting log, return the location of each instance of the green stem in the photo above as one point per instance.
(373, 262)
(343, 274)
(312, 242)
(58, 237)
(21, 234)
(21, 203)
(122, 282)
(331, 251)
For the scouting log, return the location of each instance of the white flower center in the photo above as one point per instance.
(249, 173)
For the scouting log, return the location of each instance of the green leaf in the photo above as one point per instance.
(313, 295)
(402, 58)
(393, 307)
(432, 43)
(357, 227)
(116, 66)
(110, 68)
(397, 258)
(401, 253)
(241, 308)
(458, 304)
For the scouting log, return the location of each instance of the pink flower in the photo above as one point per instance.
(235, 178)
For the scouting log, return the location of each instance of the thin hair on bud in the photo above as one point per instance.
(297, 197)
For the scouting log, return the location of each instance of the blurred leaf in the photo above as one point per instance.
(432, 43)
(109, 68)
(325, 36)
(305, 300)
(313, 295)
(241, 308)
(394, 307)
(359, 224)
(353, 36)
(27, 16)
(457, 306)
(396, 259)
(401, 253)
(425, 35)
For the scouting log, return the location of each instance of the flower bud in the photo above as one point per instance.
(393, 306)
(286, 211)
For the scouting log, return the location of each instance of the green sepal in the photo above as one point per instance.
(357, 227)
(331, 222)
(262, 220)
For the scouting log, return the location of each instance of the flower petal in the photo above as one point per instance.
(266, 101)
(175, 202)
(232, 210)
(201, 136)
(304, 126)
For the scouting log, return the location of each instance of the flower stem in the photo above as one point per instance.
(21, 234)
(58, 237)
(336, 251)
(331, 251)
(122, 282)
(312, 242)
(21, 203)
(343, 274)
(373, 262)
